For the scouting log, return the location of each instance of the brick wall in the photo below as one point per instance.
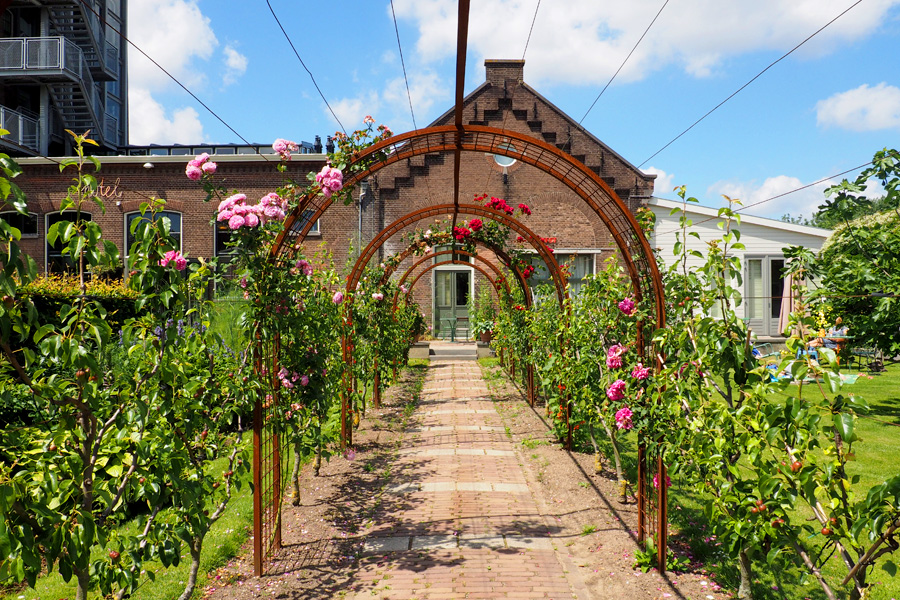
(503, 101)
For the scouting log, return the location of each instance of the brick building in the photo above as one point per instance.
(503, 101)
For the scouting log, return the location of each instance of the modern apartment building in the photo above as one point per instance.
(63, 65)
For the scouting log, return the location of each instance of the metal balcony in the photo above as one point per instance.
(24, 131)
(81, 24)
(59, 64)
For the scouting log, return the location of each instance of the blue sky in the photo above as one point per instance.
(826, 108)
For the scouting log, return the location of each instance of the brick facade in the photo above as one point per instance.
(503, 101)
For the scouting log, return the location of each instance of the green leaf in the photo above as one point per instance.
(844, 424)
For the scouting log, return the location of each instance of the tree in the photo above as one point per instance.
(860, 262)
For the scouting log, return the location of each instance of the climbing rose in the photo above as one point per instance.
(209, 167)
(656, 481)
(193, 173)
(284, 148)
(623, 418)
(475, 224)
(640, 372)
(378, 296)
(337, 298)
(236, 222)
(614, 356)
(627, 307)
(616, 391)
(524, 208)
(304, 380)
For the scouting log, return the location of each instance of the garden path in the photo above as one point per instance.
(458, 519)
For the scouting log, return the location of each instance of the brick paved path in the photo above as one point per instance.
(457, 518)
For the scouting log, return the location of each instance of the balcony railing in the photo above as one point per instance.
(23, 131)
(45, 57)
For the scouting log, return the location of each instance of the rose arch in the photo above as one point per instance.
(636, 255)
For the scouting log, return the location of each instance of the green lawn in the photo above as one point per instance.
(222, 543)
(876, 454)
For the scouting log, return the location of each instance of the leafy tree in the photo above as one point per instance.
(860, 262)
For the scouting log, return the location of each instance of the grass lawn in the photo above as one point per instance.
(222, 542)
(876, 453)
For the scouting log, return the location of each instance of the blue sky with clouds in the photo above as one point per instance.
(826, 108)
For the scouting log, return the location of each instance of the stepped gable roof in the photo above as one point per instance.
(500, 73)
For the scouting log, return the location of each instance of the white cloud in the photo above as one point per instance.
(664, 183)
(352, 111)
(174, 33)
(755, 198)
(391, 105)
(585, 41)
(177, 35)
(862, 109)
(235, 65)
(149, 124)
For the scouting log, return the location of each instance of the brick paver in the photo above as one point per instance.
(457, 519)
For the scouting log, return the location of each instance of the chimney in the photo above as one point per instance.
(498, 72)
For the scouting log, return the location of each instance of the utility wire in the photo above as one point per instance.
(757, 76)
(533, 20)
(403, 64)
(172, 77)
(408, 93)
(743, 208)
(611, 79)
(297, 54)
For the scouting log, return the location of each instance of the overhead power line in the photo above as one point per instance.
(297, 54)
(403, 64)
(90, 7)
(803, 187)
(531, 29)
(757, 76)
(611, 79)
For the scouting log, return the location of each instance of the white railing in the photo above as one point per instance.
(23, 130)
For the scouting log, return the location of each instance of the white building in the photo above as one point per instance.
(762, 260)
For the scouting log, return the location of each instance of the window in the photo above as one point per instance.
(174, 226)
(300, 223)
(224, 252)
(454, 256)
(26, 224)
(763, 291)
(57, 262)
(580, 266)
(505, 161)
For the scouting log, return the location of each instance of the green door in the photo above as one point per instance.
(451, 304)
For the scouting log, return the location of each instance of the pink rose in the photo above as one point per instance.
(614, 356)
(193, 173)
(627, 307)
(623, 418)
(304, 380)
(251, 220)
(378, 296)
(656, 481)
(180, 262)
(337, 298)
(209, 168)
(616, 390)
(236, 222)
(640, 372)
(224, 215)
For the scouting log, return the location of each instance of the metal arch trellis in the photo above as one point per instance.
(627, 234)
(451, 261)
(411, 219)
(434, 255)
